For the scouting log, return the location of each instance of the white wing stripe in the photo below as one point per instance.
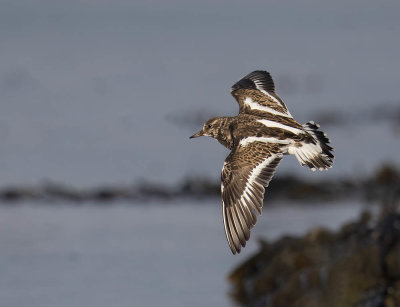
(255, 106)
(255, 173)
(272, 124)
(251, 139)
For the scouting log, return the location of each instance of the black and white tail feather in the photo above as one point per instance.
(316, 154)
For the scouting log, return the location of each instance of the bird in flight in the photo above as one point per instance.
(258, 137)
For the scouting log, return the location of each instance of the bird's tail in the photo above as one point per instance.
(314, 151)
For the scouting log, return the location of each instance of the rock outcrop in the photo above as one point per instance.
(357, 266)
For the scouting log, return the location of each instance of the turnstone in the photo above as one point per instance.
(258, 137)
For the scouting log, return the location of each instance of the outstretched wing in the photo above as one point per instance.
(255, 94)
(247, 170)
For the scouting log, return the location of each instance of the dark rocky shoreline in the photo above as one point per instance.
(289, 188)
(357, 266)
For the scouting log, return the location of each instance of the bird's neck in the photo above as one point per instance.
(224, 133)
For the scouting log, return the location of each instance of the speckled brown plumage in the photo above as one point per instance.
(258, 96)
(258, 137)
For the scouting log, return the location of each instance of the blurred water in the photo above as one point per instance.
(86, 87)
(158, 254)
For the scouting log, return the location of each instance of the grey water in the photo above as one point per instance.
(93, 92)
(171, 254)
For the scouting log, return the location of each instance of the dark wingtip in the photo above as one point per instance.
(258, 79)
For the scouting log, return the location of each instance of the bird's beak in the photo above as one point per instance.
(196, 135)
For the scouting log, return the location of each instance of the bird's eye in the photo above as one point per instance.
(209, 126)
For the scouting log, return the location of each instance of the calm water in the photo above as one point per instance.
(172, 254)
(93, 92)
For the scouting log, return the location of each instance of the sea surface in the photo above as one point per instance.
(153, 254)
(97, 92)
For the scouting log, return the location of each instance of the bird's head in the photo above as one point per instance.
(210, 128)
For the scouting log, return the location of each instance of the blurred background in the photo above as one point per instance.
(104, 199)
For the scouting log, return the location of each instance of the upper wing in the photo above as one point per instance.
(247, 170)
(255, 94)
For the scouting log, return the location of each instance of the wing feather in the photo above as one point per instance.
(232, 229)
(256, 95)
(247, 170)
